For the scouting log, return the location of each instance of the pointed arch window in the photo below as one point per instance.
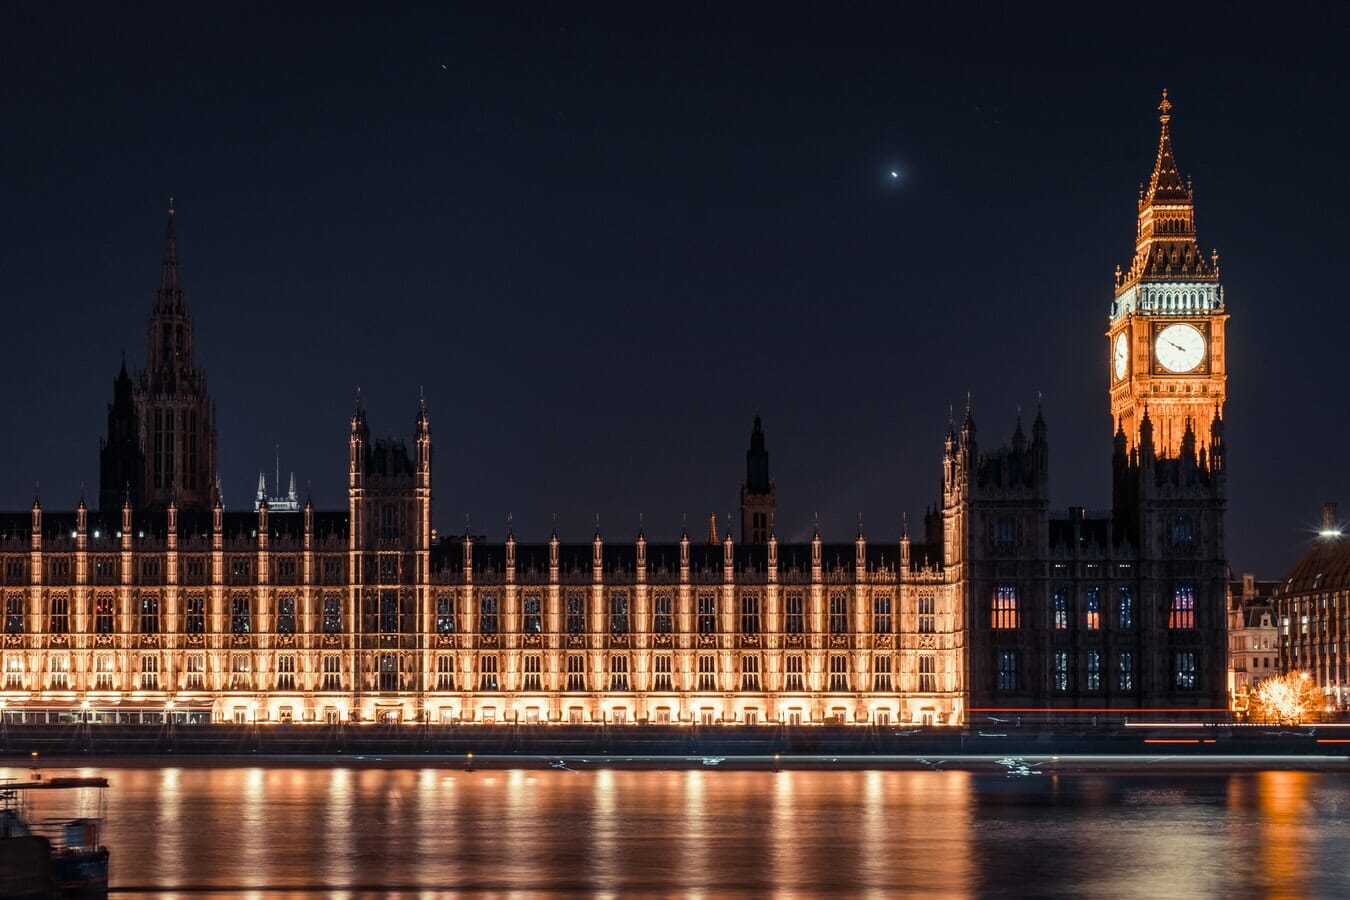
(1182, 615)
(1004, 612)
(14, 614)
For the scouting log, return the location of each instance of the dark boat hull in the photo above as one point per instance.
(81, 873)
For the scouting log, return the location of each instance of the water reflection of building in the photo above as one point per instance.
(1313, 605)
(997, 608)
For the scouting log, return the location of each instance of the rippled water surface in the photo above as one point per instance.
(322, 831)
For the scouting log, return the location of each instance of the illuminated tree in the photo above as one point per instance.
(1287, 699)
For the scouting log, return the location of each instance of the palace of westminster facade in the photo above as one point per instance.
(163, 601)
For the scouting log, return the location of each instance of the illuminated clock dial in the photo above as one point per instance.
(1179, 348)
(1120, 356)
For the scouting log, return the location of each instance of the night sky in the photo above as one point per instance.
(602, 239)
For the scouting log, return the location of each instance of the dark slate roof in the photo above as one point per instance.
(1091, 530)
(15, 525)
(190, 523)
(1325, 567)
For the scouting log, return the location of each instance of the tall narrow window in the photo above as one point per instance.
(1061, 670)
(927, 614)
(159, 433)
(196, 672)
(1094, 670)
(663, 619)
(332, 672)
(60, 672)
(1060, 617)
(661, 678)
(59, 620)
(1005, 534)
(576, 613)
(332, 614)
(286, 672)
(1125, 671)
(149, 614)
(533, 622)
(14, 614)
(445, 613)
(286, 617)
(103, 671)
(838, 672)
(388, 612)
(618, 613)
(881, 672)
(750, 672)
(838, 613)
(707, 672)
(534, 680)
(881, 614)
(240, 679)
(194, 618)
(1124, 608)
(618, 673)
(239, 614)
(103, 614)
(1182, 615)
(1004, 607)
(445, 672)
(1005, 662)
(1092, 604)
(793, 619)
(1183, 533)
(487, 621)
(487, 672)
(576, 672)
(149, 672)
(1185, 670)
(793, 676)
(927, 673)
(13, 672)
(389, 672)
(707, 612)
(750, 613)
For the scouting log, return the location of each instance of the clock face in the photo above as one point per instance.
(1120, 356)
(1180, 348)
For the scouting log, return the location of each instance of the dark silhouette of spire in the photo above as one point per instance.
(121, 460)
(757, 461)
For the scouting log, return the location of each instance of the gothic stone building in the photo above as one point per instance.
(164, 603)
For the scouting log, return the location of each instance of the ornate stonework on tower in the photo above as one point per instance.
(1165, 340)
(175, 416)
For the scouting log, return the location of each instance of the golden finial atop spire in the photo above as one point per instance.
(1165, 107)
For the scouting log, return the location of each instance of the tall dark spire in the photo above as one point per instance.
(170, 288)
(175, 413)
(758, 495)
(169, 345)
(757, 461)
(121, 461)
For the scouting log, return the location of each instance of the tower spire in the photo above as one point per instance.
(170, 283)
(1166, 248)
(171, 389)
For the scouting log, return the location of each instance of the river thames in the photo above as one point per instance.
(326, 830)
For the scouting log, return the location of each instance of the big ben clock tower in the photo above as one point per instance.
(1165, 341)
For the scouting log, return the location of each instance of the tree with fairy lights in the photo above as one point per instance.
(1288, 699)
